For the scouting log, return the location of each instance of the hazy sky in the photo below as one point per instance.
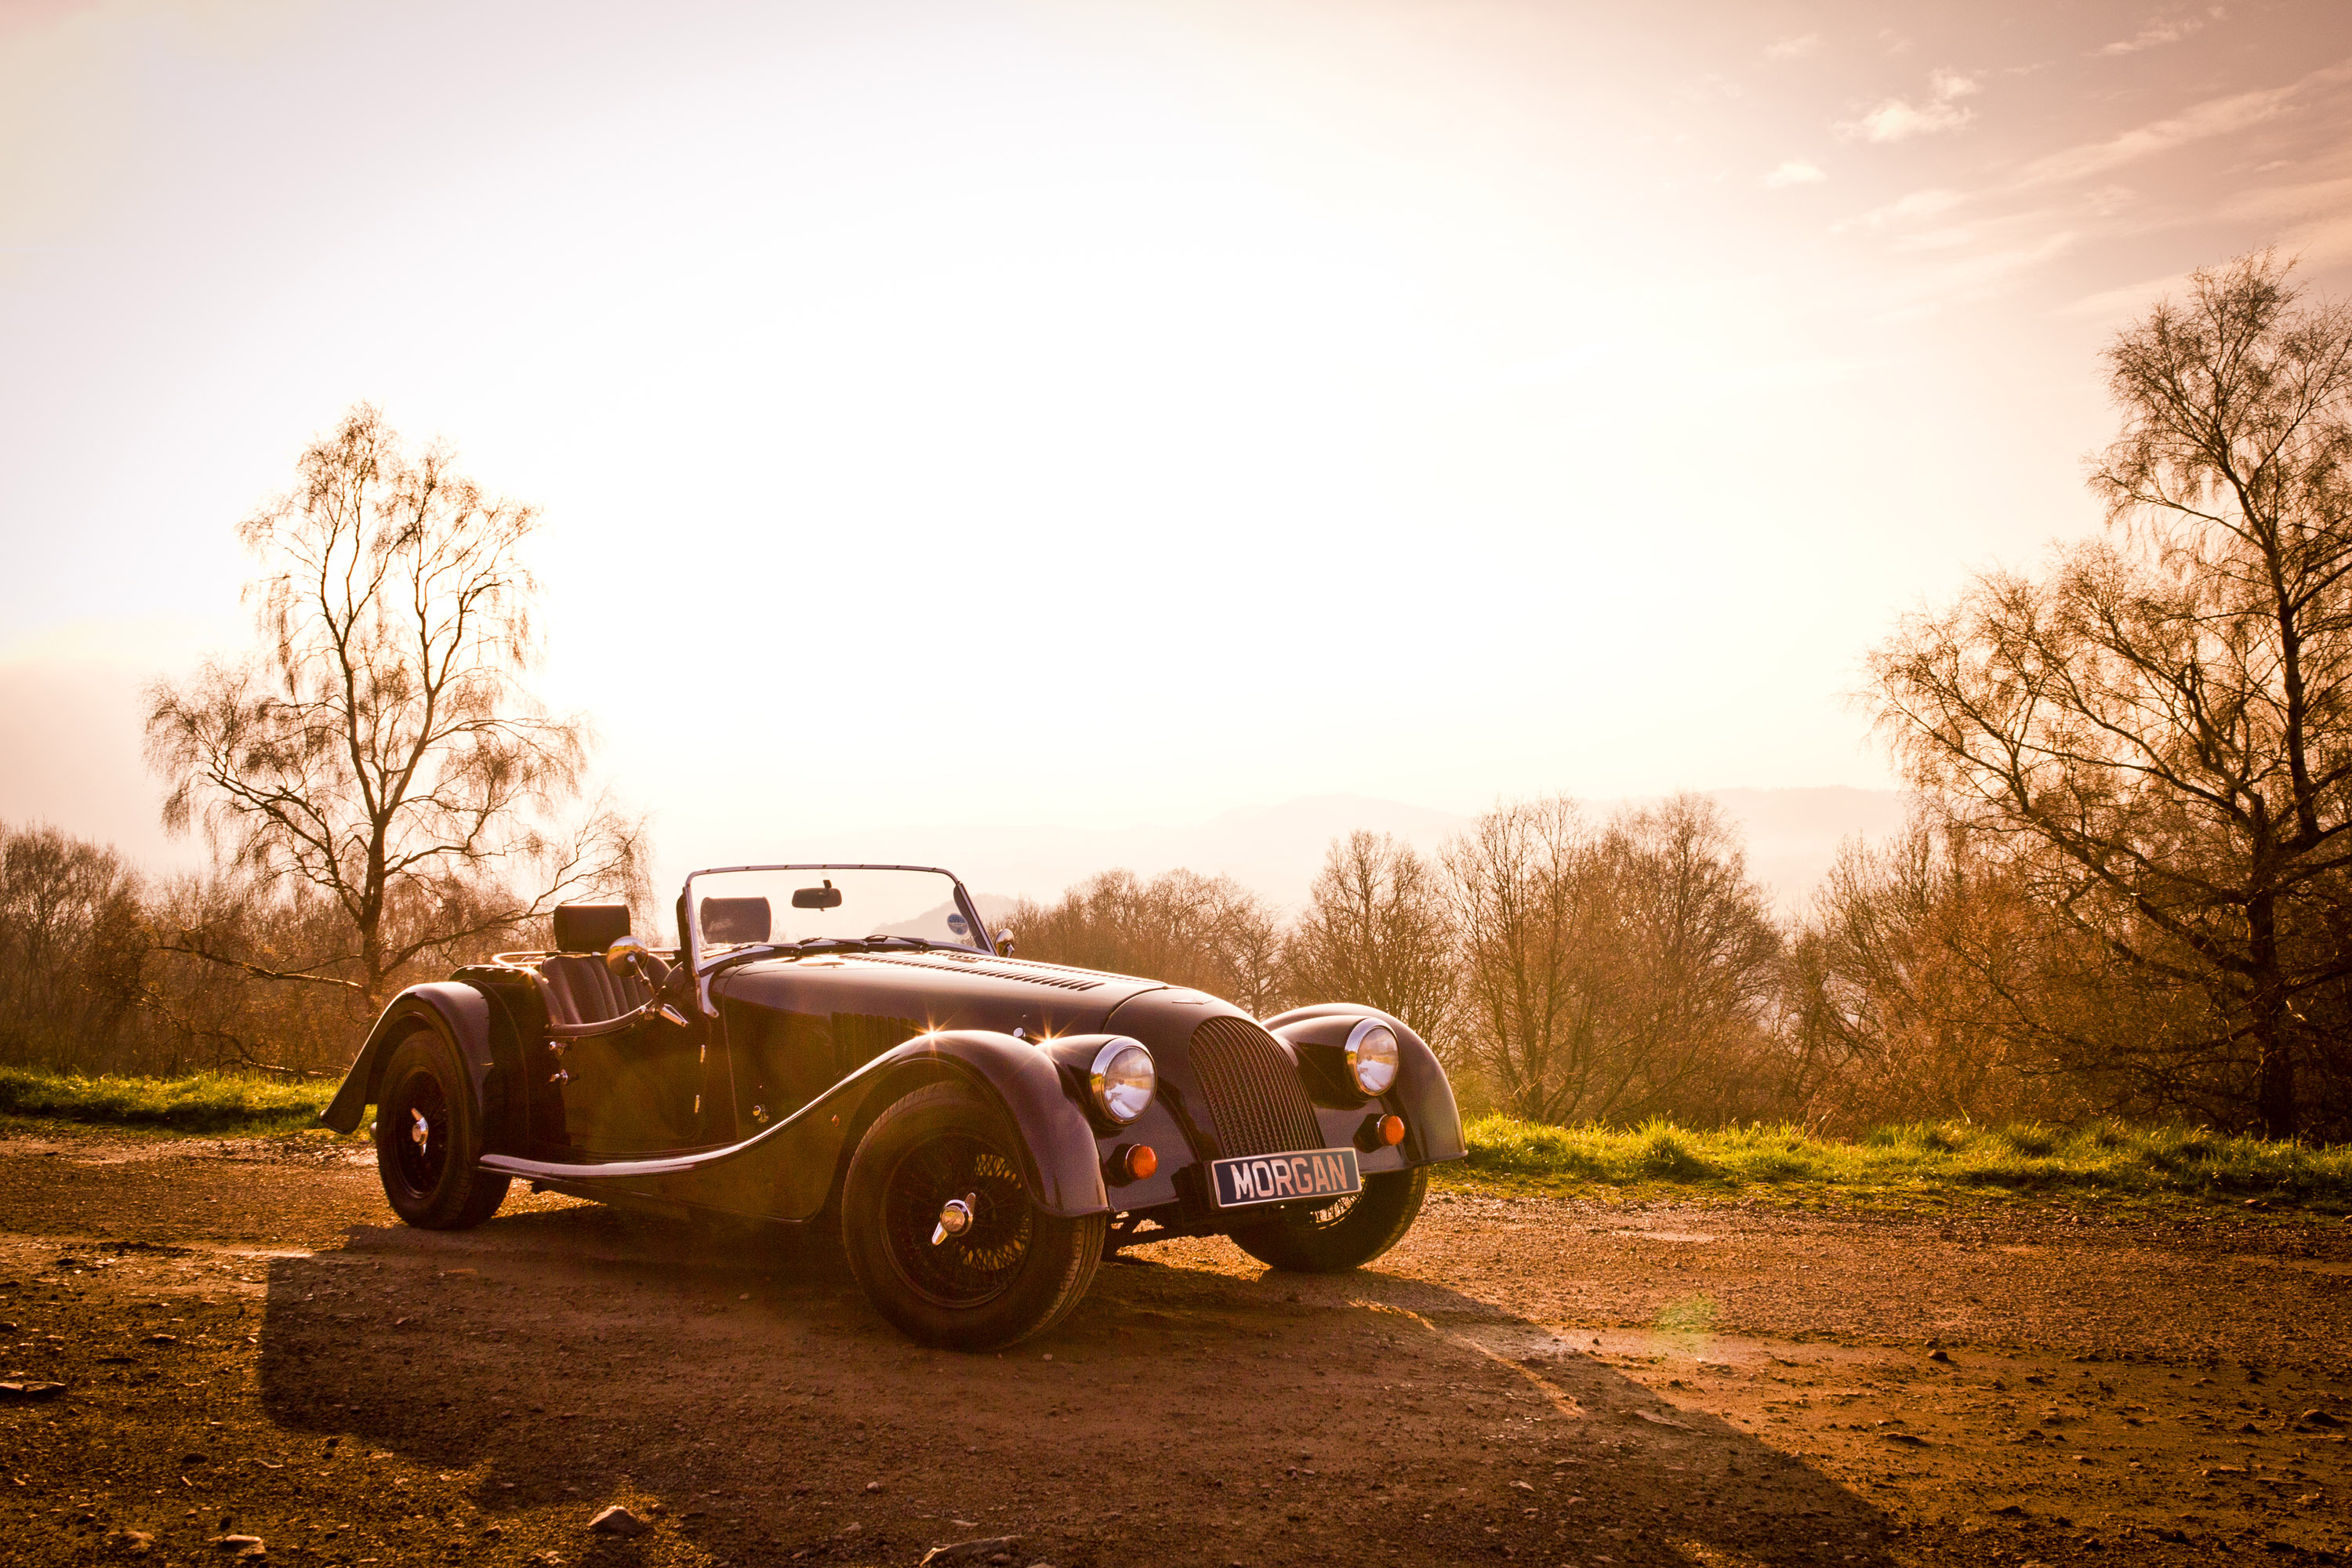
(1104, 412)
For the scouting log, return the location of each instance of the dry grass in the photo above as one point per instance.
(1950, 1158)
(1945, 1160)
(208, 1102)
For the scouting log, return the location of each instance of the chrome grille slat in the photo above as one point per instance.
(1253, 1092)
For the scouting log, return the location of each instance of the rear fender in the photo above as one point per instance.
(460, 1014)
(1421, 1094)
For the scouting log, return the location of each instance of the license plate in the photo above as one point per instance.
(1280, 1178)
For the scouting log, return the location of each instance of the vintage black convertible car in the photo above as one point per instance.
(846, 1044)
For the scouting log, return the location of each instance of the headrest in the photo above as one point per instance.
(736, 920)
(589, 928)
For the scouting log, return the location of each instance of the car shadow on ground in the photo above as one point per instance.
(517, 1378)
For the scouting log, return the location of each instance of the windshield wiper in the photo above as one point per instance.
(860, 944)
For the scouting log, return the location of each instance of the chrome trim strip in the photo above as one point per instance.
(679, 1164)
(542, 1171)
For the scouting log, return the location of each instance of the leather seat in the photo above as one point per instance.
(579, 989)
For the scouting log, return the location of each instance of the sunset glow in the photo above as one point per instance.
(1013, 413)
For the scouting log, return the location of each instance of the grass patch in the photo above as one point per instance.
(201, 1103)
(1947, 1161)
(1690, 1315)
(1932, 1161)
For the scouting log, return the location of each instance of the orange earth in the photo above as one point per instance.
(251, 1346)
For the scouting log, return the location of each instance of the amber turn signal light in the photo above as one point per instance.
(1138, 1161)
(1392, 1130)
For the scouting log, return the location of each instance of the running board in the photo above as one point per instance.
(616, 1170)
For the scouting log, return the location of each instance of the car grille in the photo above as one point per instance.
(1254, 1093)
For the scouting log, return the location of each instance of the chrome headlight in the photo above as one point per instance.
(1372, 1056)
(1123, 1081)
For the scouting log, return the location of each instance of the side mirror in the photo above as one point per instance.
(630, 955)
(1005, 943)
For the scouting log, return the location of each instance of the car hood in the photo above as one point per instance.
(939, 990)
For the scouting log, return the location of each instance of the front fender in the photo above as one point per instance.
(1422, 1094)
(1059, 1164)
(460, 1014)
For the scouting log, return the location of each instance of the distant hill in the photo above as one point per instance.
(1274, 849)
(1792, 835)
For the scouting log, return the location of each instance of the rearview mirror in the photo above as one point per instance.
(825, 898)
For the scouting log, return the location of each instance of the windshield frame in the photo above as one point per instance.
(689, 949)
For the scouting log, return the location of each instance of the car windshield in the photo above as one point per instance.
(787, 904)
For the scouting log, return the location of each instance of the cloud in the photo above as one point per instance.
(2214, 117)
(2162, 30)
(2130, 299)
(1711, 86)
(1909, 209)
(1938, 287)
(1793, 49)
(2324, 239)
(1795, 172)
(1898, 118)
(2324, 243)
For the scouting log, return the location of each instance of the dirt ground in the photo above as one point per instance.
(251, 1345)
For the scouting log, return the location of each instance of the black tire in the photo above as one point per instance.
(427, 1139)
(1347, 1234)
(1013, 1274)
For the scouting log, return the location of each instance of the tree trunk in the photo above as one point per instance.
(2274, 1091)
(2277, 1092)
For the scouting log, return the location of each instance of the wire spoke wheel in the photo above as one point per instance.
(945, 1239)
(1329, 1215)
(419, 1112)
(428, 1138)
(976, 1267)
(1348, 1232)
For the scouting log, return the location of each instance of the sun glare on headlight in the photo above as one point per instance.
(1372, 1057)
(1123, 1081)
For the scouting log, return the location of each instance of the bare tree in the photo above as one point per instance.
(1379, 929)
(1250, 943)
(1698, 964)
(1209, 933)
(2163, 722)
(1903, 980)
(1931, 978)
(1531, 917)
(1614, 972)
(72, 942)
(379, 749)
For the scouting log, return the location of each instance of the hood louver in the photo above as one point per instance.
(994, 971)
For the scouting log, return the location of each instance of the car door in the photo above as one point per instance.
(599, 1091)
(636, 1091)
(780, 1058)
